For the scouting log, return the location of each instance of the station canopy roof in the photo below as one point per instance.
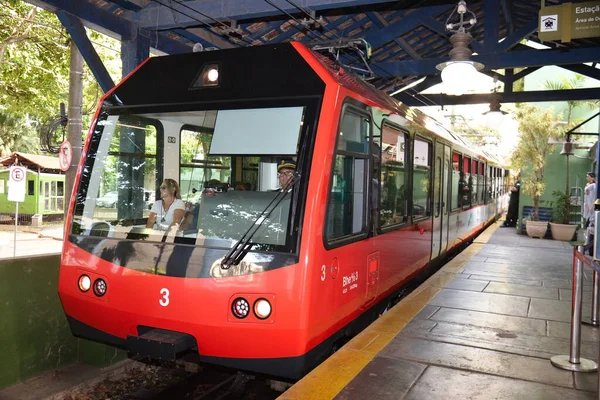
(408, 37)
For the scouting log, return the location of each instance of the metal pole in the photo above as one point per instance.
(576, 298)
(15, 237)
(594, 320)
(595, 298)
(574, 362)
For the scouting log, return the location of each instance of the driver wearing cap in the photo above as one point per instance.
(285, 170)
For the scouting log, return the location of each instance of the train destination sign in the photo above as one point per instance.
(570, 21)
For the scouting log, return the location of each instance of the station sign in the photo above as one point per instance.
(570, 21)
(16, 183)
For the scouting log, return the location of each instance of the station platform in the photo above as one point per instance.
(483, 327)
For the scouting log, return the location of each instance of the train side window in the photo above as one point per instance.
(496, 185)
(467, 182)
(421, 188)
(456, 178)
(393, 205)
(346, 214)
(475, 183)
(30, 188)
(481, 182)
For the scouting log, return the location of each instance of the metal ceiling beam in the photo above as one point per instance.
(515, 59)
(75, 28)
(440, 28)
(126, 4)
(207, 36)
(583, 69)
(287, 35)
(491, 14)
(156, 16)
(507, 16)
(193, 37)
(381, 23)
(524, 73)
(379, 37)
(515, 38)
(134, 52)
(514, 97)
(110, 24)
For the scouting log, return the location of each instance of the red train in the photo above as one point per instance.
(254, 276)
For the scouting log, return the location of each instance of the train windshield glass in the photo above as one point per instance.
(223, 168)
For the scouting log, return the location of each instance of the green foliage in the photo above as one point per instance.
(34, 72)
(536, 128)
(576, 82)
(561, 207)
(17, 133)
(34, 60)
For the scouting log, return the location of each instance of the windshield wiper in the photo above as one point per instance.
(235, 255)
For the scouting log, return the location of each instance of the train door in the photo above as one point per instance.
(447, 167)
(440, 195)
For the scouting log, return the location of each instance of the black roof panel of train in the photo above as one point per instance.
(273, 71)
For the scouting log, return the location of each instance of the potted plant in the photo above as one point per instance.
(536, 128)
(560, 228)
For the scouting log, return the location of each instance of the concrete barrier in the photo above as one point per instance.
(34, 333)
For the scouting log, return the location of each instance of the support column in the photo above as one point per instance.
(134, 51)
(75, 28)
(74, 126)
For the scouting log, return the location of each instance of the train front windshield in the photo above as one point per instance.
(225, 162)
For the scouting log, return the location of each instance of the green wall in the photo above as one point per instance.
(34, 333)
(29, 206)
(34, 203)
(555, 176)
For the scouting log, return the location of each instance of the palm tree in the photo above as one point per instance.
(576, 82)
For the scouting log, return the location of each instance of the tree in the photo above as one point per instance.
(576, 82)
(536, 128)
(17, 133)
(33, 60)
(34, 72)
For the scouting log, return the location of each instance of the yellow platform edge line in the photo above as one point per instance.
(334, 374)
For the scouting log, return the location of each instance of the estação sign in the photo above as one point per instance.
(570, 21)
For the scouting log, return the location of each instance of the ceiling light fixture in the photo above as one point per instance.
(495, 115)
(458, 73)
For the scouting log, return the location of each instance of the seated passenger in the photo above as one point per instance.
(169, 210)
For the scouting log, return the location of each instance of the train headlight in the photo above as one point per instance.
(100, 287)
(84, 283)
(240, 308)
(209, 76)
(212, 75)
(262, 309)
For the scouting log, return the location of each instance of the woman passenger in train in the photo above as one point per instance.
(169, 210)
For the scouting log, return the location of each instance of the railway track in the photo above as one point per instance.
(209, 384)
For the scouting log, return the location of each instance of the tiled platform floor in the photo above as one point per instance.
(489, 334)
(484, 327)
